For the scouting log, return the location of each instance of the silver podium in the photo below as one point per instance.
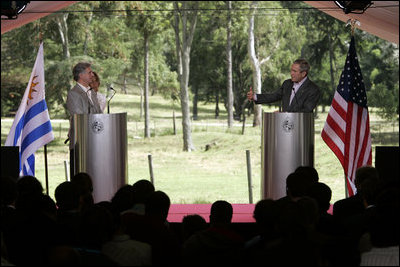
(101, 150)
(287, 142)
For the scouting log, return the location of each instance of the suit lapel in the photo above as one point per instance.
(86, 101)
(301, 90)
(299, 94)
(286, 96)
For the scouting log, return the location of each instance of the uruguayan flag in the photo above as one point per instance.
(31, 128)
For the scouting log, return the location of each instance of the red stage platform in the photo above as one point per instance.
(242, 213)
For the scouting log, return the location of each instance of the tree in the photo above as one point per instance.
(229, 66)
(273, 48)
(256, 62)
(379, 63)
(188, 18)
(324, 48)
(61, 21)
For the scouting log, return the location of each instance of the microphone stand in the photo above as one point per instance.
(108, 102)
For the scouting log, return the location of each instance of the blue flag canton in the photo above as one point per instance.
(351, 85)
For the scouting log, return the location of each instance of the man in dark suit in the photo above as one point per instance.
(298, 94)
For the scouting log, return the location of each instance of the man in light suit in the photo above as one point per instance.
(81, 100)
(298, 94)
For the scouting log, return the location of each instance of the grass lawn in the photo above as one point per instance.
(199, 176)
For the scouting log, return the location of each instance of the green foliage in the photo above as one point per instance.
(12, 91)
(380, 96)
(58, 75)
(114, 43)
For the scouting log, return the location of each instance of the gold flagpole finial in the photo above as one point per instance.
(353, 23)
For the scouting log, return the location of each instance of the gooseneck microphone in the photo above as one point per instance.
(108, 102)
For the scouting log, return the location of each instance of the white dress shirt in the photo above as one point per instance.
(296, 87)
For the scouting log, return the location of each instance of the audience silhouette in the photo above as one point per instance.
(132, 228)
(218, 244)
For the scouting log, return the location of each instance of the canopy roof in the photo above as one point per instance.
(381, 19)
(43, 8)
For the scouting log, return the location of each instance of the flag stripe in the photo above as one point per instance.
(29, 165)
(36, 134)
(34, 123)
(18, 130)
(35, 110)
(332, 145)
(338, 108)
(33, 147)
(336, 125)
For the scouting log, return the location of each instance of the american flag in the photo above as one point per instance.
(346, 130)
(31, 128)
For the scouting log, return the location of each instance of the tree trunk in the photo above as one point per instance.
(331, 63)
(255, 65)
(124, 82)
(146, 87)
(195, 100)
(186, 124)
(216, 104)
(229, 67)
(87, 33)
(63, 30)
(183, 54)
(141, 100)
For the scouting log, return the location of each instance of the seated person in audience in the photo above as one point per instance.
(121, 248)
(297, 184)
(68, 214)
(83, 182)
(384, 230)
(217, 245)
(153, 228)
(354, 204)
(265, 213)
(192, 224)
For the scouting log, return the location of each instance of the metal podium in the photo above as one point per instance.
(287, 142)
(101, 150)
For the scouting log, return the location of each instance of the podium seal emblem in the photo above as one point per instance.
(97, 126)
(287, 125)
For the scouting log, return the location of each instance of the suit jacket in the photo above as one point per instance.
(305, 100)
(78, 103)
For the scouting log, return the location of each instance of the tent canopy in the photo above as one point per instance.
(43, 8)
(381, 19)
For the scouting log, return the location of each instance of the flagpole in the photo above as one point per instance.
(352, 23)
(46, 170)
(346, 192)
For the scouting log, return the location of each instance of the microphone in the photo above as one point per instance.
(88, 100)
(108, 102)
